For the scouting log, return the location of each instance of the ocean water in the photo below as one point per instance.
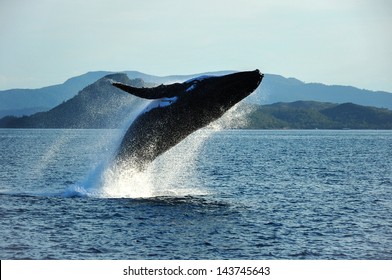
(228, 194)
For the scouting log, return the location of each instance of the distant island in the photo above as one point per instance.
(100, 105)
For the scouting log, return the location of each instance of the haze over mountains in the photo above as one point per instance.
(90, 101)
(275, 88)
(19, 102)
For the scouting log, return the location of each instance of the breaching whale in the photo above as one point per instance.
(178, 110)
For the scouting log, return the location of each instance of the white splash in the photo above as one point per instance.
(172, 174)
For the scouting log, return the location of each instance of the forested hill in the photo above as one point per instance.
(318, 115)
(99, 105)
(274, 88)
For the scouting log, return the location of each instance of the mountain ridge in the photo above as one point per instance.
(275, 88)
(101, 105)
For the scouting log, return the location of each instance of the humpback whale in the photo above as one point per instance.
(179, 109)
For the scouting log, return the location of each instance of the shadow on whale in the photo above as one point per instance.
(177, 110)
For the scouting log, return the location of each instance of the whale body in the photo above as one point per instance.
(179, 109)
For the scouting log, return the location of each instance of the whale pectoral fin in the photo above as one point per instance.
(153, 93)
(139, 92)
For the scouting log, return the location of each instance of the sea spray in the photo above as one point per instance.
(175, 172)
(92, 184)
(171, 174)
(51, 154)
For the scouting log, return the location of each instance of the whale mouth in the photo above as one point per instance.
(258, 77)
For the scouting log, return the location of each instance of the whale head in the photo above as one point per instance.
(223, 92)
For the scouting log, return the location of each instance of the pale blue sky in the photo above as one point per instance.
(348, 42)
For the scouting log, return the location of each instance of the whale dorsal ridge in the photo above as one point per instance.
(158, 92)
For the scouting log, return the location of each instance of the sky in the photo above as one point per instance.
(344, 42)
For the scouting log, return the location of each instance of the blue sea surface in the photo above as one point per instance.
(230, 194)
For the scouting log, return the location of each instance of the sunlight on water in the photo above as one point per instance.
(297, 194)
